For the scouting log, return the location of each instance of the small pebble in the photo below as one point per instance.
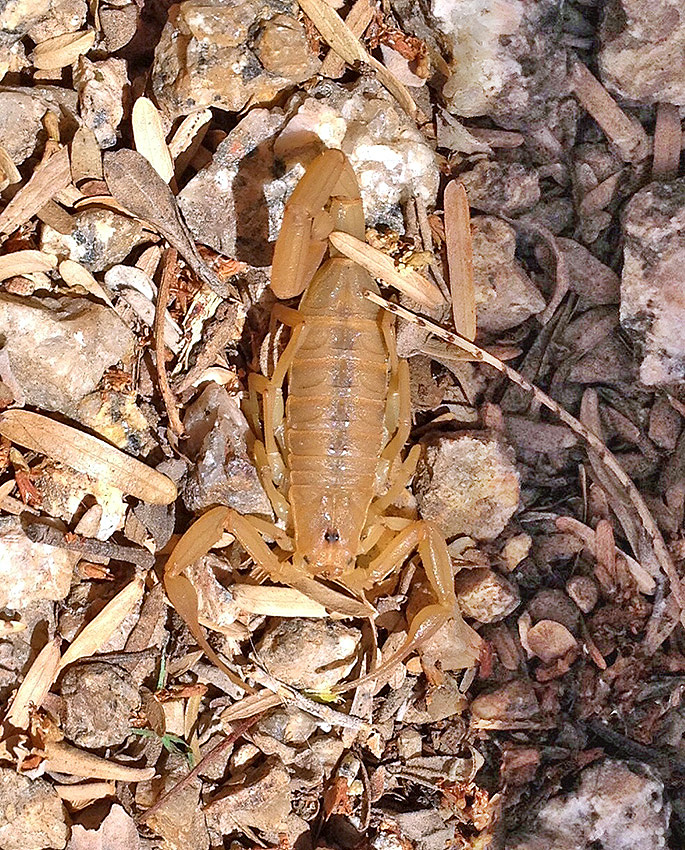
(583, 591)
(485, 595)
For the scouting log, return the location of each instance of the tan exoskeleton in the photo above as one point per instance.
(330, 458)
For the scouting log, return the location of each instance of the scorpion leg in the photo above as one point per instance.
(271, 390)
(423, 537)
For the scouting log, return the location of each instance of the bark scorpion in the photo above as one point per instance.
(330, 456)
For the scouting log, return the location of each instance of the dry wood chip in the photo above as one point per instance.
(406, 280)
(357, 20)
(74, 274)
(9, 173)
(275, 601)
(36, 685)
(136, 185)
(87, 454)
(86, 156)
(46, 181)
(497, 138)
(340, 37)
(148, 134)
(460, 259)
(26, 262)
(61, 757)
(86, 792)
(99, 630)
(62, 50)
(668, 136)
(56, 217)
(624, 132)
(601, 196)
(188, 131)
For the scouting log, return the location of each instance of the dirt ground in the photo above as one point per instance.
(166, 684)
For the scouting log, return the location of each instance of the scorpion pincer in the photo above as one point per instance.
(330, 457)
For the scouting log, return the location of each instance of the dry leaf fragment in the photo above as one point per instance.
(668, 137)
(26, 262)
(340, 37)
(188, 131)
(36, 685)
(86, 156)
(149, 137)
(136, 185)
(408, 281)
(98, 631)
(86, 792)
(624, 132)
(47, 180)
(62, 50)
(357, 20)
(460, 259)
(87, 454)
(74, 274)
(61, 757)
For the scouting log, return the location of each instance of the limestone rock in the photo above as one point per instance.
(32, 816)
(467, 485)
(641, 57)
(505, 295)
(99, 699)
(260, 798)
(485, 595)
(312, 654)
(62, 17)
(617, 805)
(99, 239)
(30, 572)
(223, 473)
(501, 188)
(59, 348)
(228, 54)
(653, 280)
(507, 63)
(101, 87)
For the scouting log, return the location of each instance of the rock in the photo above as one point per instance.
(641, 55)
(258, 798)
(515, 550)
(181, 820)
(233, 204)
(653, 279)
(420, 829)
(59, 348)
(390, 158)
(117, 831)
(99, 239)
(583, 591)
(588, 277)
(16, 649)
(311, 654)
(101, 87)
(228, 54)
(99, 699)
(21, 126)
(32, 816)
(45, 572)
(501, 188)
(119, 22)
(506, 707)
(505, 295)
(224, 473)
(507, 63)
(485, 595)
(62, 17)
(117, 418)
(550, 640)
(553, 604)
(215, 602)
(467, 485)
(16, 19)
(389, 155)
(617, 805)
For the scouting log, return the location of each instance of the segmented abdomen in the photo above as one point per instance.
(337, 390)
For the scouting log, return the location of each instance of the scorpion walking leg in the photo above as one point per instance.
(267, 453)
(424, 537)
